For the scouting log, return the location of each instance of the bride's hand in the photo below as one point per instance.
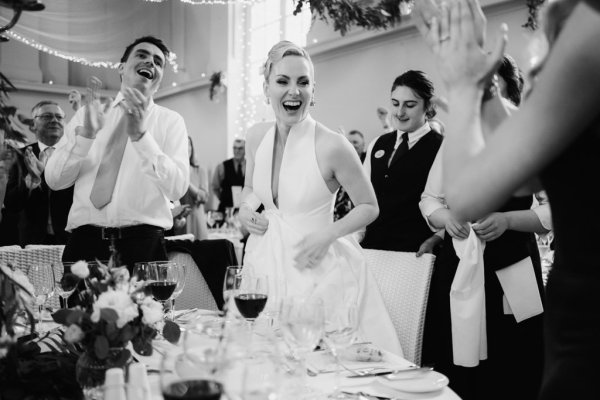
(455, 34)
(254, 222)
(311, 250)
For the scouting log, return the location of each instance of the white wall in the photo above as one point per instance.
(354, 74)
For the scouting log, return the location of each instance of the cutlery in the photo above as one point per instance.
(393, 372)
(186, 312)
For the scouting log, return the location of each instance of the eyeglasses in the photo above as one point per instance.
(48, 117)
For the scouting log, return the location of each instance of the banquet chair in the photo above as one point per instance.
(403, 280)
(36, 254)
(196, 293)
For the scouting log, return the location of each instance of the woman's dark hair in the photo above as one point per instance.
(512, 75)
(419, 83)
(192, 155)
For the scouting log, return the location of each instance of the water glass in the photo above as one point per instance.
(42, 278)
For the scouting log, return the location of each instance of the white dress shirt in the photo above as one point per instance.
(413, 138)
(153, 172)
(433, 197)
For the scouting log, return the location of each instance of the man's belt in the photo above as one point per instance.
(124, 232)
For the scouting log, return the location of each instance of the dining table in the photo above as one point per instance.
(204, 331)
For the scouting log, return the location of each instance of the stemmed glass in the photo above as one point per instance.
(210, 220)
(41, 277)
(302, 324)
(252, 296)
(181, 274)
(163, 278)
(341, 324)
(66, 285)
(231, 283)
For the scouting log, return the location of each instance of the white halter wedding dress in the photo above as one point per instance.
(305, 207)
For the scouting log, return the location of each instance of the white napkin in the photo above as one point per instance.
(467, 303)
(520, 288)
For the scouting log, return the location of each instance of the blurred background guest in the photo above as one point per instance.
(228, 178)
(196, 197)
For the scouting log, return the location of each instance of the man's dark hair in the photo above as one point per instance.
(146, 39)
(43, 103)
(512, 75)
(420, 84)
(355, 132)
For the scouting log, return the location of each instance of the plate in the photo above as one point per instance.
(419, 382)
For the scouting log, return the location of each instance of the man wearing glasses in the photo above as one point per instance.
(46, 210)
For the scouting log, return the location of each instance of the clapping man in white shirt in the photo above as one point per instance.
(128, 160)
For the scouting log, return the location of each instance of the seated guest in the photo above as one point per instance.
(45, 212)
(127, 162)
(398, 163)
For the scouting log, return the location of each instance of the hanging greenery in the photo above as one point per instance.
(217, 85)
(532, 19)
(377, 14)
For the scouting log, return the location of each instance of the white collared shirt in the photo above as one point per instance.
(413, 138)
(433, 198)
(153, 172)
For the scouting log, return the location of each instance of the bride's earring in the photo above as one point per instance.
(312, 102)
(267, 101)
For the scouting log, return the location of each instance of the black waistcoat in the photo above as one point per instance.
(400, 225)
(232, 178)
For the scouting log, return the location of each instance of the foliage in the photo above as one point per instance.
(8, 112)
(217, 85)
(16, 296)
(377, 14)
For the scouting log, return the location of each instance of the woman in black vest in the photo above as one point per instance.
(398, 164)
(508, 239)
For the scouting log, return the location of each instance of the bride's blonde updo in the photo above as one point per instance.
(283, 49)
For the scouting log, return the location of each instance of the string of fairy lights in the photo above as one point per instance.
(82, 60)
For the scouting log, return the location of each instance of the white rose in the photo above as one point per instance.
(73, 334)
(119, 301)
(80, 269)
(152, 311)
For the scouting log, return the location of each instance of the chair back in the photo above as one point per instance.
(196, 292)
(36, 254)
(403, 280)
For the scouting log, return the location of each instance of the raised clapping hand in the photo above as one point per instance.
(254, 222)
(34, 166)
(93, 117)
(455, 32)
(135, 105)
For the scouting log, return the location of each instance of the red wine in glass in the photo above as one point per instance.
(161, 290)
(250, 305)
(193, 389)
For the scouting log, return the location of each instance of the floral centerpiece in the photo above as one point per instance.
(113, 311)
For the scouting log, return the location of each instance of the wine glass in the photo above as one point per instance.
(231, 283)
(302, 324)
(41, 277)
(341, 324)
(164, 276)
(217, 217)
(252, 296)
(67, 284)
(181, 274)
(210, 220)
(191, 375)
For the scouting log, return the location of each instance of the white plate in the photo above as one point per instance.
(419, 382)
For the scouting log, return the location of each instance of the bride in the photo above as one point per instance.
(294, 170)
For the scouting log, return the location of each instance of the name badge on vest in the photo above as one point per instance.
(379, 153)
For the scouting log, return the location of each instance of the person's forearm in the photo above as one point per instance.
(358, 218)
(439, 218)
(524, 221)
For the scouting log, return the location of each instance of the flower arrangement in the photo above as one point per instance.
(113, 311)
